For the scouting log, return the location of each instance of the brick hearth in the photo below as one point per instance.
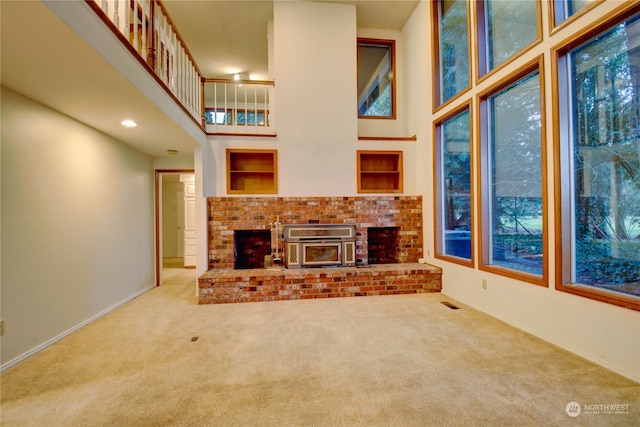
(230, 286)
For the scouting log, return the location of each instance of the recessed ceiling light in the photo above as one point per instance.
(128, 123)
(172, 152)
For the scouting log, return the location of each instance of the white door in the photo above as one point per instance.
(189, 203)
(180, 211)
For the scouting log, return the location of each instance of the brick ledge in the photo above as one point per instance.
(218, 286)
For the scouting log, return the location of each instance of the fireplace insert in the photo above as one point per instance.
(319, 245)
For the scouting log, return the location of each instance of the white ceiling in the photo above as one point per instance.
(230, 36)
(45, 60)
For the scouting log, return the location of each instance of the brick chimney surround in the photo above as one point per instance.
(222, 284)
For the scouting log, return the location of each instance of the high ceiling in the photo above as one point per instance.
(230, 36)
(45, 60)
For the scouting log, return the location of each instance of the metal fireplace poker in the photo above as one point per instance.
(276, 229)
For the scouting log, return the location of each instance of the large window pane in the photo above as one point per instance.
(454, 181)
(515, 182)
(510, 27)
(454, 48)
(605, 98)
(375, 78)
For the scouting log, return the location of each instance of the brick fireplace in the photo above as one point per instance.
(403, 214)
(388, 244)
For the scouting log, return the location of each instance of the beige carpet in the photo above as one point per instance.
(173, 272)
(162, 360)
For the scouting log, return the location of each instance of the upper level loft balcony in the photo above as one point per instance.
(238, 107)
(218, 106)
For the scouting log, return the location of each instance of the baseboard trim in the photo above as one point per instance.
(68, 332)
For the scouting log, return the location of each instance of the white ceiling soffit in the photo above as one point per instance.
(43, 59)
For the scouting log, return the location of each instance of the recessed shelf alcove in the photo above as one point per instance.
(252, 171)
(380, 171)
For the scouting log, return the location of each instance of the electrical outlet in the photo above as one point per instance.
(428, 252)
(484, 283)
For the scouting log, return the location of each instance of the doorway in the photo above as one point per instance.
(175, 227)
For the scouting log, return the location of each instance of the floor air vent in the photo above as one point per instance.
(448, 304)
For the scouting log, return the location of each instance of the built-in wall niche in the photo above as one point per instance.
(382, 245)
(250, 248)
(252, 171)
(379, 171)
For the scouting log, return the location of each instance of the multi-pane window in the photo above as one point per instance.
(376, 64)
(601, 161)
(240, 117)
(250, 117)
(513, 177)
(453, 47)
(453, 166)
(596, 144)
(505, 29)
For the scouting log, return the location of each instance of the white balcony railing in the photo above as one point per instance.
(238, 107)
(150, 33)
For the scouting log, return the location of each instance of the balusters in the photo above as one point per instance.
(160, 46)
(116, 18)
(166, 55)
(225, 106)
(134, 26)
(127, 22)
(244, 104)
(172, 69)
(215, 106)
(183, 74)
(255, 106)
(267, 106)
(143, 32)
(235, 103)
(192, 92)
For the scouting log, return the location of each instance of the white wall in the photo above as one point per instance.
(77, 225)
(313, 60)
(202, 215)
(181, 161)
(315, 71)
(314, 66)
(605, 334)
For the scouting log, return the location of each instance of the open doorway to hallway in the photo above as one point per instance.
(175, 227)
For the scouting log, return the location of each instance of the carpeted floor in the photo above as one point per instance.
(174, 273)
(408, 360)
